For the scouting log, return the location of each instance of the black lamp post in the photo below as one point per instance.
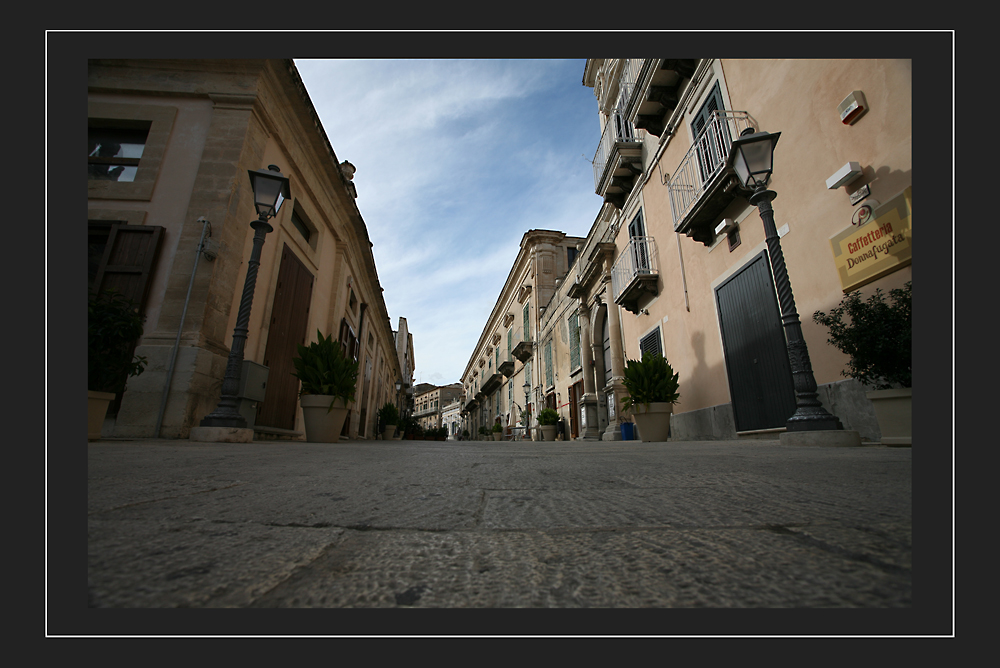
(752, 157)
(270, 189)
(527, 397)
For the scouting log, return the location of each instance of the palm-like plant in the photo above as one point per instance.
(324, 369)
(651, 380)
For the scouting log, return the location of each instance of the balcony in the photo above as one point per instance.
(492, 383)
(618, 160)
(506, 366)
(523, 345)
(652, 103)
(635, 273)
(703, 185)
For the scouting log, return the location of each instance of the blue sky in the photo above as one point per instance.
(456, 160)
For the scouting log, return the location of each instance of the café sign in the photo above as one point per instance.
(879, 247)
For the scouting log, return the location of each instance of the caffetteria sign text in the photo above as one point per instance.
(877, 248)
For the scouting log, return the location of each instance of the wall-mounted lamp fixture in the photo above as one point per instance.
(845, 174)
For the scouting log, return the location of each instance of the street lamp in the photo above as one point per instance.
(527, 392)
(270, 189)
(752, 158)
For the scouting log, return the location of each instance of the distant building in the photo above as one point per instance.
(508, 354)
(404, 351)
(451, 419)
(429, 402)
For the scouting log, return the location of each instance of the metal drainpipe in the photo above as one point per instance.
(180, 328)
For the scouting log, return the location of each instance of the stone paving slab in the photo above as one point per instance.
(509, 525)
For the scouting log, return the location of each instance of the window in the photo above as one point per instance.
(651, 343)
(301, 225)
(548, 363)
(574, 341)
(126, 145)
(527, 323)
(570, 255)
(114, 148)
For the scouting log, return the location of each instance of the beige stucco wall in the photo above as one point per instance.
(798, 98)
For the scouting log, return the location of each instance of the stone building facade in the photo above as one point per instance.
(171, 144)
(508, 355)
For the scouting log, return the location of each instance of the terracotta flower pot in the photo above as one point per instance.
(97, 408)
(894, 412)
(322, 425)
(653, 421)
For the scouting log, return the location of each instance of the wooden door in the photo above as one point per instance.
(287, 329)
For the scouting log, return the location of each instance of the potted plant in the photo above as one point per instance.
(388, 417)
(497, 431)
(652, 392)
(113, 327)
(441, 433)
(328, 381)
(876, 336)
(465, 434)
(548, 418)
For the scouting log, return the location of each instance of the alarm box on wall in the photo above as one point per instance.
(852, 108)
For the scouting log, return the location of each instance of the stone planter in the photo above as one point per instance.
(390, 431)
(497, 435)
(894, 412)
(97, 408)
(653, 422)
(548, 432)
(322, 425)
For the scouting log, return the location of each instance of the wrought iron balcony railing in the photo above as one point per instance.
(634, 272)
(705, 160)
(616, 131)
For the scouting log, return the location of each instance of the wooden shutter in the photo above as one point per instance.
(128, 261)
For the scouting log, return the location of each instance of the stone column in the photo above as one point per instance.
(588, 404)
(617, 391)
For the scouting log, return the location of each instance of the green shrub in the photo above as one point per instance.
(113, 327)
(651, 380)
(388, 415)
(548, 417)
(324, 369)
(875, 335)
(497, 428)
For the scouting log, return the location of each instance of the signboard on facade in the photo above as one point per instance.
(879, 247)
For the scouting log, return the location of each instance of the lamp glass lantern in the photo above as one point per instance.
(270, 190)
(752, 157)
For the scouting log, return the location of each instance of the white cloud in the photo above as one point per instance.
(455, 161)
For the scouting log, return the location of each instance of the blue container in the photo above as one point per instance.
(627, 429)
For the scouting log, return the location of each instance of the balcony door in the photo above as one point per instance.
(640, 251)
(711, 134)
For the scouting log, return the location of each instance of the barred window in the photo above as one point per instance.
(574, 341)
(548, 363)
